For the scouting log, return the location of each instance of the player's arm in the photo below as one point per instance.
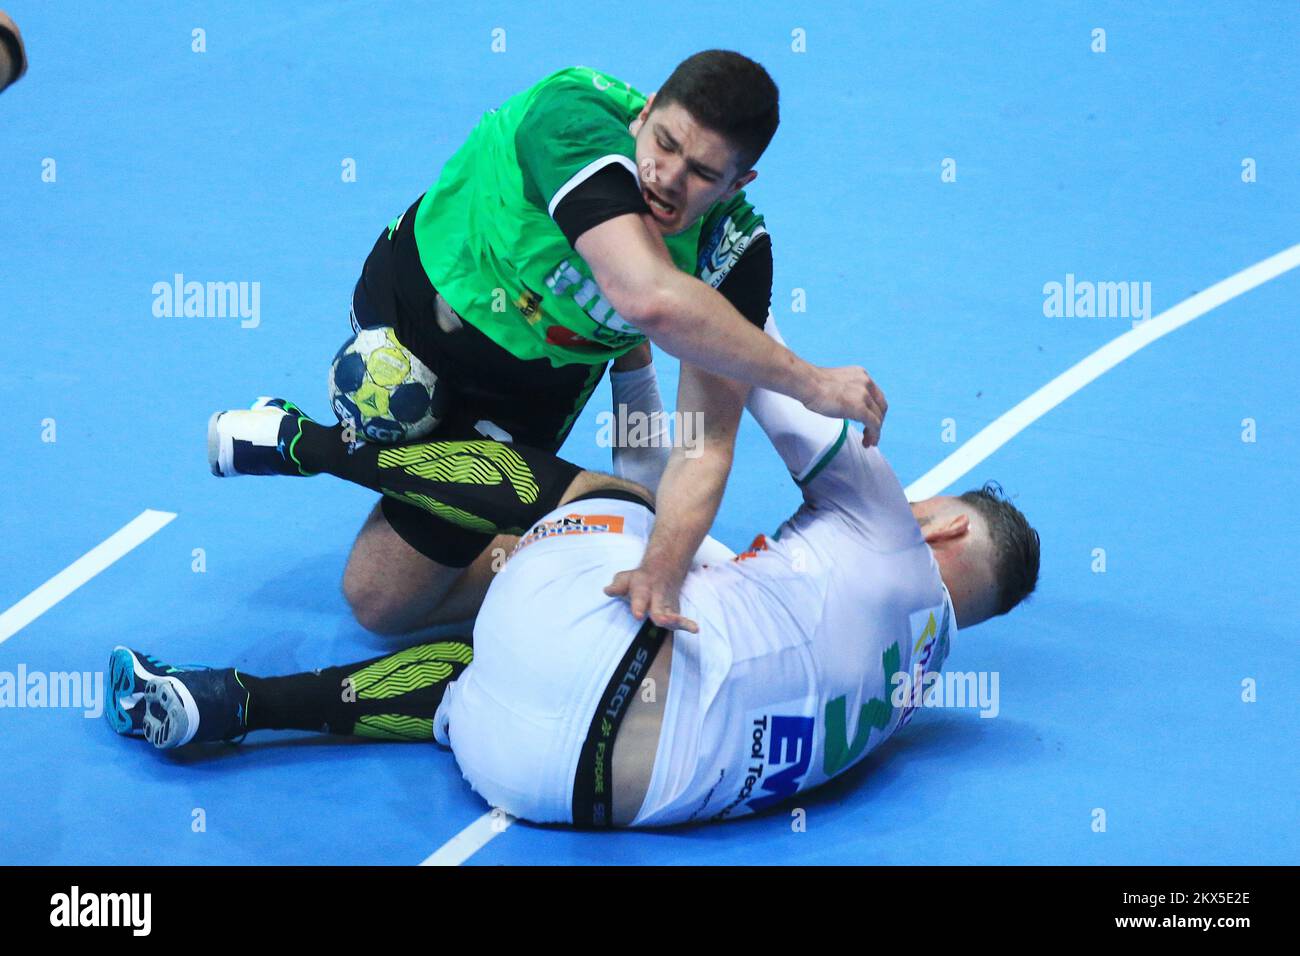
(689, 319)
(572, 148)
(688, 497)
(832, 470)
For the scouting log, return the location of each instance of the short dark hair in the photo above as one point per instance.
(1015, 545)
(730, 94)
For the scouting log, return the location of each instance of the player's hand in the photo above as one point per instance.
(653, 591)
(849, 392)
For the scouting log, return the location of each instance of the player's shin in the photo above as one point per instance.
(477, 484)
(387, 698)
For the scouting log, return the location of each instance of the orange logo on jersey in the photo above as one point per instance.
(758, 544)
(573, 524)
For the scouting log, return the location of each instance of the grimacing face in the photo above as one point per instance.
(684, 167)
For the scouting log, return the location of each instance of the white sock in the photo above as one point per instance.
(801, 437)
(637, 392)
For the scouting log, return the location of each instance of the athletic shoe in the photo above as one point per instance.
(256, 441)
(173, 706)
(128, 673)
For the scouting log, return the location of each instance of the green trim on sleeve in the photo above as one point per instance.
(826, 458)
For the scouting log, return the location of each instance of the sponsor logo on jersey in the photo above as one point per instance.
(726, 244)
(572, 524)
(529, 305)
(559, 335)
(779, 750)
(929, 650)
(758, 544)
(708, 797)
(838, 750)
(566, 280)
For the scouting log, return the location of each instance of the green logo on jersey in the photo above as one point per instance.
(566, 280)
(874, 713)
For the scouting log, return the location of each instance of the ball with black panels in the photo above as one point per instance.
(384, 391)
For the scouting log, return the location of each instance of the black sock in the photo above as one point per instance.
(321, 448)
(478, 484)
(391, 698)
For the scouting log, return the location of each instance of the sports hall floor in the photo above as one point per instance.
(1121, 690)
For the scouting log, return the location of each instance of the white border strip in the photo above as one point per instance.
(1009, 424)
(122, 541)
(1012, 422)
(586, 172)
(470, 840)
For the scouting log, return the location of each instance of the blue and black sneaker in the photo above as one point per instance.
(173, 706)
(256, 441)
(128, 672)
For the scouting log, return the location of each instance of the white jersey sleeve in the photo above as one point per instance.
(857, 484)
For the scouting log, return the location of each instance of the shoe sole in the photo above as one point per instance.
(181, 720)
(214, 445)
(122, 673)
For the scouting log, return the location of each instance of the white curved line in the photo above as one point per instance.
(1010, 423)
(992, 437)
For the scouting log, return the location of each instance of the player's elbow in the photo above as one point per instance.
(655, 310)
(645, 304)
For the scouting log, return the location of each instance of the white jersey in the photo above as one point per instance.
(791, 679)
(788, 682)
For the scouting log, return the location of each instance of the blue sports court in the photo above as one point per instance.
(937, 168)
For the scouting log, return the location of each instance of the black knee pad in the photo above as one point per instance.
(436, 539)
(448, 499)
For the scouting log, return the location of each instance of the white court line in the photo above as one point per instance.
(135, 532)
(470, 840)
(1010, 423)
(1005, 427)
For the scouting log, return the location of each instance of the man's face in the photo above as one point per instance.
(684, 168)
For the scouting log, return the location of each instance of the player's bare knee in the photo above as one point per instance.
(377, 601)
(372, 607)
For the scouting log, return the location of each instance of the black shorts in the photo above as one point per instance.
(489, 391)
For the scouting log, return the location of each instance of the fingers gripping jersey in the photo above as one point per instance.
(488, 242)
(817, 621)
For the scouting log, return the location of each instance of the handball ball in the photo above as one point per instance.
(382, 390)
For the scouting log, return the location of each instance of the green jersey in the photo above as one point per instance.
(487, 241)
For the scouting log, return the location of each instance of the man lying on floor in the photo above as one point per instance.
(571, 709)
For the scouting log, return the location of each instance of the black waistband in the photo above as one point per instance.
(618, 494)
(593, 784)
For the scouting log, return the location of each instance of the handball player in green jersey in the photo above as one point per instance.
(579, 219)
